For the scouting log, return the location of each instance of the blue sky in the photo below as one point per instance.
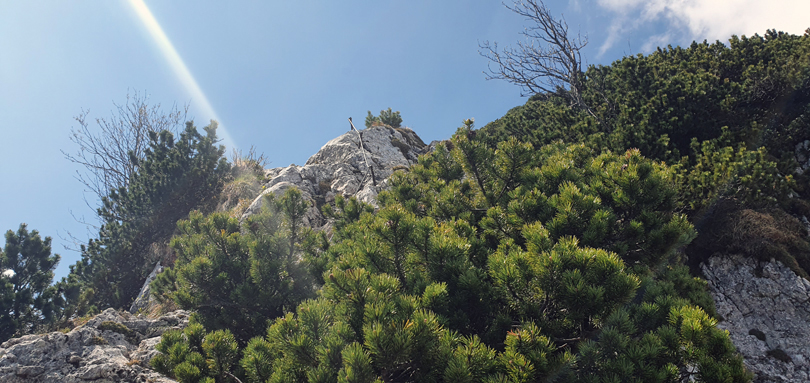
(283, 76)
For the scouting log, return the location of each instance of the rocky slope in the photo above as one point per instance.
(343, 166)
(111, 347)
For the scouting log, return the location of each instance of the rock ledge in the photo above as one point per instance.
(111, 347)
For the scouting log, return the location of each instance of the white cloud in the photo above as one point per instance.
(657, 41)
(704, 20)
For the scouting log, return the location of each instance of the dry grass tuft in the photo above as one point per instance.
(758, 233)
(247, 177)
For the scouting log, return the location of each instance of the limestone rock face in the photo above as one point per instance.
(111, 347)
(145, 300)
(766, 309)
(343, 167)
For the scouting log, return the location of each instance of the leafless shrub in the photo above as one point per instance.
(111, 152)
(548, 62)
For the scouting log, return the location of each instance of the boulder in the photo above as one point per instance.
(766, 309)
(111, 347)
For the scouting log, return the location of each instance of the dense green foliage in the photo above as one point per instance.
(508, 264)
(238, 277)
(386, 117)
(745, 175)
(192, 355)
(746, 105)
(547, 246)
(175, 177)
(27, 299)
(479, 244)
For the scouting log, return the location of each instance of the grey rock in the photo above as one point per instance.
(145, 300)
(29, 371)
(88, 353)
(146, 350)
(343, 167)
(802, 152)
(766, 309)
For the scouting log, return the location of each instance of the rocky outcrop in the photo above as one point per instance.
(766, 309)
(343, 166)
(111, 347)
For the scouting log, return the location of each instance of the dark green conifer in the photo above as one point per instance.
(387, 117)
(546, 246)
(27, 299)
(176, 176)
(238, 277)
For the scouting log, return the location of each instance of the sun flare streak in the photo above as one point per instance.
(179, 67)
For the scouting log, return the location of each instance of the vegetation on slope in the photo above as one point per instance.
(549, 244)
(755, 90)
(508, 264)
(236, 276)
(174, 178)
(729, 120)
(28, 302)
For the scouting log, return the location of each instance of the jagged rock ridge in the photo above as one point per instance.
(343, 167)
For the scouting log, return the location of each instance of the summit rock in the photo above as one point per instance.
(344, 166)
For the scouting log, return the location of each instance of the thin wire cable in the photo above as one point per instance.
(359, 137)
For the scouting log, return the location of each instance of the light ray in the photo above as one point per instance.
(179, 68)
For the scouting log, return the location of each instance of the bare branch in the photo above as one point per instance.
(549, 61)
(110, 153)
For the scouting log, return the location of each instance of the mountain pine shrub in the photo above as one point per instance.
(238, 277)
(737, 109)
(28, 302)
(175, 177)
(386, 118)
(508, 264)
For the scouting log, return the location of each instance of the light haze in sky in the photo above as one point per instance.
(284, 76)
